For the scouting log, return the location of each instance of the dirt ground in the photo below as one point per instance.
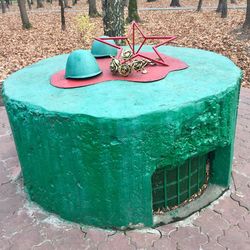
(205, 30)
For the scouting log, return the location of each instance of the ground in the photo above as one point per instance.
(225, 224)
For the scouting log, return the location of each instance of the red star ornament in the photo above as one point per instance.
(137, 53)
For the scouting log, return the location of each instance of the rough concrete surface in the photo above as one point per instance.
(225, 224)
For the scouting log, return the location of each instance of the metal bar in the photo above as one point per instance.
(152, 60)
(189, 177)
(158, 202)
(198, 173)
(178, 185)
(161, 37)
(133, 36)
(141, 45)
(159, 187)
(110, 44)
(165, 188)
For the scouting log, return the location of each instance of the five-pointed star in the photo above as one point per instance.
(138, 53)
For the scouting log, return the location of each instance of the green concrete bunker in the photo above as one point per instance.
(123, 154)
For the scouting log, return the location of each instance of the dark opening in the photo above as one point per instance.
(174, 186)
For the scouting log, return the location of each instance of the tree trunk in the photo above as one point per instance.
(66, 4)
(3, 6)
(23, 13)
(29, 4)
(247, 20)
(125, 2)
(7, 3)
(234, 1)
(133, 12)
(74, 2)
(219, 7)
(224, 9)
(113, 17)
(175, 3)
(63, 23)
(39, 4)
(92, 9)
(199, 5)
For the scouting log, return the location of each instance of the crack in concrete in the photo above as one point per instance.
(114, 233)
(4, 183)
(219, 236)
(84, 233)
(239, 203)
(161, 236)
(234, 185)
(41, 243)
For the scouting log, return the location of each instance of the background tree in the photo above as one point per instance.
(175, 3)
(3, 6)
(63, 23)
(29, 4)
(199, 5)
(23, 13)
(133, 12)
(92, 9)
(39, 4)
(125, 3)
(219, 7)
(224, 9)
(113, 17)
(66, 4)
(247, 20)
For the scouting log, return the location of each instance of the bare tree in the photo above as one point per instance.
(133, 12)
(23, 13)
(175, 3)
(125, 3)
(29, 4)
(199, 5)
(63, 23)
(247, 20)
(113, 17)
(219, 7)
(92, 9)
(66, 4)
(224, 9)
(3, 6)
(39, 4)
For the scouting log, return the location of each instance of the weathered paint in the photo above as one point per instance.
(88, 154)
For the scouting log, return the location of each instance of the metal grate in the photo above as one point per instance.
(173, 186)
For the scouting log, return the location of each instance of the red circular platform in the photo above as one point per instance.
(154, 73)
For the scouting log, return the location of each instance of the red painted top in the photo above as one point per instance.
(154, 73)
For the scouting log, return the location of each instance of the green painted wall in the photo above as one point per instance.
(88, 154)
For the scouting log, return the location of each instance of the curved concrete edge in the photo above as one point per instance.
(212, 193)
